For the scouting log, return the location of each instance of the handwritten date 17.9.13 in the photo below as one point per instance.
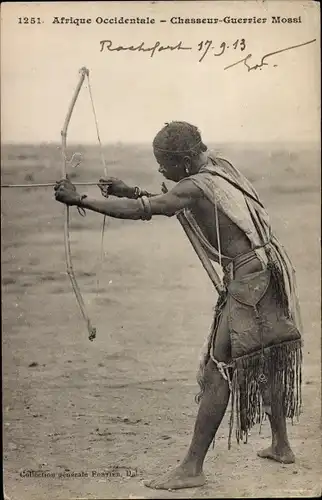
(204, 48)
(207, 46)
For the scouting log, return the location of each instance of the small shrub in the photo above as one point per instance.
(29, 177)
(8, 281)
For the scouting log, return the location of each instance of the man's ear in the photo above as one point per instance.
(187, 164)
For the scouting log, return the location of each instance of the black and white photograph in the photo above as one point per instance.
(160, 249)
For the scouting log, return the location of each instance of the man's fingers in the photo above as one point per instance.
(104, 190)
(107, 180)
(62, 187)
(64, 183)
(58, 190)
(59, 184)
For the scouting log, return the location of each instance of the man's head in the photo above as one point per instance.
(178, 149)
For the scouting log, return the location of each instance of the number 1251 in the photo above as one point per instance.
(29, 20)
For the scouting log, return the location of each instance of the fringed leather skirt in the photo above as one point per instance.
(265, 345)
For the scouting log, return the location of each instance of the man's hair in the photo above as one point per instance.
(178, 139)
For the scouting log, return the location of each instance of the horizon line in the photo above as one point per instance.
(148, 143)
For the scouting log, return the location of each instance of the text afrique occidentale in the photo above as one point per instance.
(177, 20)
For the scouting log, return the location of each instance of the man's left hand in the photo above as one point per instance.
(65, 192)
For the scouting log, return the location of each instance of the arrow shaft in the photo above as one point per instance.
(46, 184)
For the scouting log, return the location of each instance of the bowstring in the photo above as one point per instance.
(104, 166)
(96, 125)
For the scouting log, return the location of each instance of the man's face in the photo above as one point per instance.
(172, 169)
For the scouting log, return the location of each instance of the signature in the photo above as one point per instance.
(246, 60)
(204, 47)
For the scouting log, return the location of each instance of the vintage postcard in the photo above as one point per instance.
(160, 186)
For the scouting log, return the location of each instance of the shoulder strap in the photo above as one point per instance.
(236, 185)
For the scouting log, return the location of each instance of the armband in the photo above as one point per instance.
(146, 206)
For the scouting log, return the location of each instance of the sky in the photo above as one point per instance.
(135, 94)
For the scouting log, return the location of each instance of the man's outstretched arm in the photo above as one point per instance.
(180, 197)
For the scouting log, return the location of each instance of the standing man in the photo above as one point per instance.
(253, 351)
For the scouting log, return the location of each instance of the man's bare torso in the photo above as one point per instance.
(232, 240)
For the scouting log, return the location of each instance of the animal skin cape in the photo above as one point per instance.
(223, 184)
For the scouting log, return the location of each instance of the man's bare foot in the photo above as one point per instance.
(177, 479)
(285, 456)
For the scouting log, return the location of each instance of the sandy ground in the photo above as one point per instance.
(125, 402)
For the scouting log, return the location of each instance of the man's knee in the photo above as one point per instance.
(221, 352)
(213, 375)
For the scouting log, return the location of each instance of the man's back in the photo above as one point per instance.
(232, 240)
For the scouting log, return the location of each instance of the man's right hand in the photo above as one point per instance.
(113, 186)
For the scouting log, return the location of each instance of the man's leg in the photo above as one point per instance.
(280, 450)
(212, 409)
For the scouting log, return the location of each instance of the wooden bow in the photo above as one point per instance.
(91, 330)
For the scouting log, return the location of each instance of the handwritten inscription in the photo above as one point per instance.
(247, 60)
(204, 47)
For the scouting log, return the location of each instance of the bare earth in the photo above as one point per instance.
(126, 401)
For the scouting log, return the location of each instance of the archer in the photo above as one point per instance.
(253, 352)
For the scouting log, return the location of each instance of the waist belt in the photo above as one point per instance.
(237, 263)
(242, 260)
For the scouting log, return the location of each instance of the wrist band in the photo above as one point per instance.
(137, 193)
(82, 197)
(146, 205)
(80, 209)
